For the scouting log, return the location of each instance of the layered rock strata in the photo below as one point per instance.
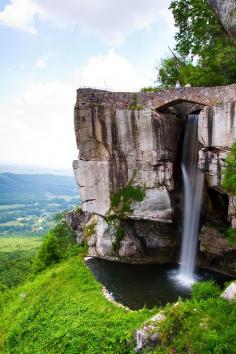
(136, 139)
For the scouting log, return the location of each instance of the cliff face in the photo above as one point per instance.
(116, 142)
(131, 143)
(226, 11)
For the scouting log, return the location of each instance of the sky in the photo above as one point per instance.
(49, 48)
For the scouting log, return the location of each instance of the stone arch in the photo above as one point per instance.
(180, 101)
(180, 107)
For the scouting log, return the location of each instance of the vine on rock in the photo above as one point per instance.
(121, 208)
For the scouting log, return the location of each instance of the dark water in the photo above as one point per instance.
(138, 285)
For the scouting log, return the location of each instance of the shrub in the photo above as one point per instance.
(229, 173)
(119, 236)
(59, 243)
(231, 233)
(204, 290)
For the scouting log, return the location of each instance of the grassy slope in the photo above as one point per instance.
(63, 311)
(16, 254)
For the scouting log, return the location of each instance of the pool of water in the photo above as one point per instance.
(138, 285)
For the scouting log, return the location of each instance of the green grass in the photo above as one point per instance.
(16, 257)
(63, 310)
(204, 324)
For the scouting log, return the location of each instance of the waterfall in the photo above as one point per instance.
(193, 185)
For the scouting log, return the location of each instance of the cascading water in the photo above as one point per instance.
(193, 185)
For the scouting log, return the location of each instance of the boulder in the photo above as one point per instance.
(230, 292)
(148, 335)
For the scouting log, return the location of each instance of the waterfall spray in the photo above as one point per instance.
(193, 186)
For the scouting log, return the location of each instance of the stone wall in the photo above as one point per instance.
(203, 95)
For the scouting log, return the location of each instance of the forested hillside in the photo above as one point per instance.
(37, 183)
(29, 202)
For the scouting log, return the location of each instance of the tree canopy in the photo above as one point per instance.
(204, 54)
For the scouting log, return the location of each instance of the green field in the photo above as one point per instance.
(16, 256)
(28, 203)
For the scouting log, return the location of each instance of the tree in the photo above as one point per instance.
(204, 54)
(229, 183)
(229, 173)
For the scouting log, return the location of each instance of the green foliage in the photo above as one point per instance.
(229, 184)
(205, 290)
(120, 208)
(135, 105)
(151, 89)
(89, 229)
(204, 324)
(16, 258)
(231, 233)
(204, 54)
(229, 173)
(58, 244)
(122, 200)
(119, 234)
(63, 310)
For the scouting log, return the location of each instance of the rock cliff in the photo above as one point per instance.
(128, 169)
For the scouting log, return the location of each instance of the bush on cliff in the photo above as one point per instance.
(229, 173)
(229, 183)
(59, 243)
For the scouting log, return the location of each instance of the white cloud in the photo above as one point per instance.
(20, 14)
(111, 71)
(37, 128)
(111, 19)
(41, 62)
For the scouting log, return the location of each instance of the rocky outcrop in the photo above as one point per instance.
(217, 132)
(230, 292)
(226, 11)
(149, 334)
(217, 252)
(129, 142)
(114, 146)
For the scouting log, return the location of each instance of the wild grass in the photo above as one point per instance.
(63, 310)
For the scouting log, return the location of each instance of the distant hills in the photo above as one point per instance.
(21, 169)
(37, 183)
(29, 202)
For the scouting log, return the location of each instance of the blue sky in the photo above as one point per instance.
(51, 47)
